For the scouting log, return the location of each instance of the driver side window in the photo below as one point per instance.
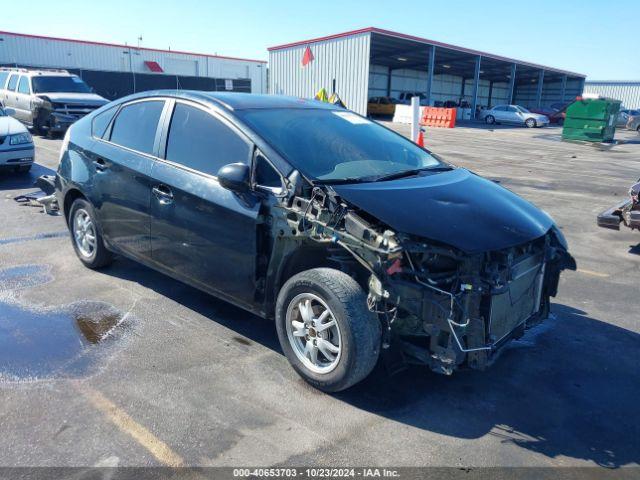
(200, 141)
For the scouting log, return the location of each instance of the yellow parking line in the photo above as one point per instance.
(128, 425)
(592, 273)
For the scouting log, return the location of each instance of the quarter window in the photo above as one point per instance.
(13, 81)
(136, 124)
(23, 86)
(202, 142)
(101, 122)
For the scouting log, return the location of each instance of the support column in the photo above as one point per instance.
(432, 63)
(476, 85)
(490, 93)
(563, 88)
(539, 90)
(389, 72)
(512, 84)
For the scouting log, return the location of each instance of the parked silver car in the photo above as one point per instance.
(514, 114)
(16, 145)
(633, 123)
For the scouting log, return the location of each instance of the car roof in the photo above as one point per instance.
(239, 101)
(37, 73)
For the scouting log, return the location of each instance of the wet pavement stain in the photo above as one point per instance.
(242, 340)
(24, 276)
(39, 236)
(42, 343)
(63, 342)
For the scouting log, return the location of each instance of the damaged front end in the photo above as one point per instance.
(626, 212)
(438, 305)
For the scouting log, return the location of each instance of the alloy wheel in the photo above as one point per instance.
(84, 233)
(313, 333)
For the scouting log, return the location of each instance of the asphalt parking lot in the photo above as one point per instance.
(126, 367)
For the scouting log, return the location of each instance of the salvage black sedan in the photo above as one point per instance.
(354, 239)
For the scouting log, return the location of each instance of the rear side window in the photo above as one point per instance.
(136, 124)
(13, 81)
(3, 79)
(101, 122)
(23, 86)
(200, 141)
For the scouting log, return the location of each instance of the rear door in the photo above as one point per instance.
(200, 231)
(499, 113)
(122, 161)
(23, 100)
(9, 94)
(513, 115)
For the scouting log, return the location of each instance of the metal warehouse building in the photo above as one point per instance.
(371, 62)
(627, 92)
(116, 70)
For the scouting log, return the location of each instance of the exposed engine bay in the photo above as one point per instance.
(438, 305)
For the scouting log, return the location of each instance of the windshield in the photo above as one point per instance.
(336, 145)
(522, 109)
(73, 84)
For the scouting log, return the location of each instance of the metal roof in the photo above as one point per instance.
(446, 48)
(90, 42)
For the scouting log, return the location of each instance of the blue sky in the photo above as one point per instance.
(599, 39)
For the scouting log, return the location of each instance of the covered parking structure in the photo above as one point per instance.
(372, 62)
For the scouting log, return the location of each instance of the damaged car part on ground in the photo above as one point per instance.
(627, 212)
(353, 238)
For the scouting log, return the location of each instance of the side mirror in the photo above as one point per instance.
(10, 111)
(235, 177)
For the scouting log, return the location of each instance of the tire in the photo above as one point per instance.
(490, 119)
(355, 334)
(92, 253)
(37, 128)
(23, 168)
(638, 129)
(530, 123)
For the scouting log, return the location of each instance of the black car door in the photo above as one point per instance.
(122, 159)
(202, 232)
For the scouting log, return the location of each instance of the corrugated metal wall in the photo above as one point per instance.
(54, 53)
(345, 60)
(627, 92)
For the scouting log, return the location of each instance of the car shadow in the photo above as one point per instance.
(568, 388)
(10, 180)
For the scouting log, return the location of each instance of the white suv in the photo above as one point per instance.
(47, 100)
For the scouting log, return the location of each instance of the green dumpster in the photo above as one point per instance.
(591, 120)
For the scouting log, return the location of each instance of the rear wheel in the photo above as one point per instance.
(490, 119)
(638, 129)
(86, 237)
(530, 123)
(326, 330)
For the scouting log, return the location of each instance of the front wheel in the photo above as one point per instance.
(325, 329)
(489, 119)
(530, 123)
(86, 237)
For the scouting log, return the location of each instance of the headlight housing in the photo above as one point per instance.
(20, 138)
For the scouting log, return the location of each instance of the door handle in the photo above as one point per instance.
(163, 194)
(100, 164)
